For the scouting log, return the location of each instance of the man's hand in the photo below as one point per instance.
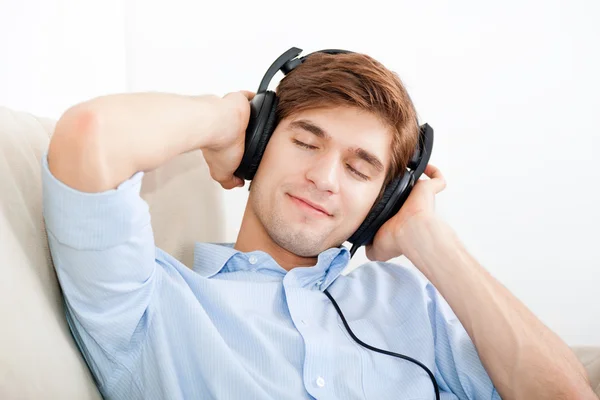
(524, 359)
(420, 206)
(225, 153)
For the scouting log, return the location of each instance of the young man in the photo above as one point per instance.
(252, 320)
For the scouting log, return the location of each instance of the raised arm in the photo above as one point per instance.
(100, 143)
(99, 229)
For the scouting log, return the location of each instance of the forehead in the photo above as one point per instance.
(348, 127)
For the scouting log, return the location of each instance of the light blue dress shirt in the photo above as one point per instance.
(237, 325)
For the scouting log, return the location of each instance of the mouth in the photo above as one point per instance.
(309, 206)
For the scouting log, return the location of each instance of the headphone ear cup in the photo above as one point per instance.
(263, 139)
(261, 125)
(394, 195)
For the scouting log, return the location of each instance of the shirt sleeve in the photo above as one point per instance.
(103, 250)
(458, 367)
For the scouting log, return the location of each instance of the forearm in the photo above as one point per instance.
(522, 356)
(102, 142)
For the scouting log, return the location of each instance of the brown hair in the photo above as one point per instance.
(354, 79)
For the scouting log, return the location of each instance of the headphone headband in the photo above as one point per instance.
(287, 62)
(276, 66)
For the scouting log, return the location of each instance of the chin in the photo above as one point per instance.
(291, 229)
(299, 242)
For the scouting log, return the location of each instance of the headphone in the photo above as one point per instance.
(262, 123)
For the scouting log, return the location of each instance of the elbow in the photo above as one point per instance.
(77, 122)
(75, 149)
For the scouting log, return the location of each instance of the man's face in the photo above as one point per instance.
(334, 159)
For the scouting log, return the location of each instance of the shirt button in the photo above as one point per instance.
(253, 259)
(304, 322)
(320, 382)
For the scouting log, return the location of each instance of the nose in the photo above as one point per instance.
(324, 171)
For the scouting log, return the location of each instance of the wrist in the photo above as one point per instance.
(230, 115)
(212, 114)
(426, 239)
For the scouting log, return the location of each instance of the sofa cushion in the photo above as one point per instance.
(38, 357)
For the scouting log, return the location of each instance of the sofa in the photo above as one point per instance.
(38, 357)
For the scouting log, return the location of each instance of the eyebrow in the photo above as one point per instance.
(310, 127)
(319, 132)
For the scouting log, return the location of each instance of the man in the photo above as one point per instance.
(252, 319)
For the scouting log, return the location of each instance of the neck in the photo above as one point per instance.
(253, 236)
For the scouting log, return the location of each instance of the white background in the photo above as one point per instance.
(511, 89)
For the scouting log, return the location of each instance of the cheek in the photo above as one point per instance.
(280, 162)
(275, 154)
(357, 206)
(269, 162)
(274, 172)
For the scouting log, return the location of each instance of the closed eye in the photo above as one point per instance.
(352, 170)
(355, 172)
(302, 144)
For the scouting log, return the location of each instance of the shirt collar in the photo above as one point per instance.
(330, 264)
(211, 258)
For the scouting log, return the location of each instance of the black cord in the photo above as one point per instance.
(389, 353)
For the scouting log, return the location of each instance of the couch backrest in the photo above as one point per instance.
(38, 357)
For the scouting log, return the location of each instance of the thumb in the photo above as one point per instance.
(248, 94)
(370, 252)
(232, 182)
(437, 185)
(376, 253)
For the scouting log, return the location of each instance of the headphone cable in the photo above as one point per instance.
(389, 353)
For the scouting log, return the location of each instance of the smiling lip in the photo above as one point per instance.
(312, 206)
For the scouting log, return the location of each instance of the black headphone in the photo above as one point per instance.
(262, 123)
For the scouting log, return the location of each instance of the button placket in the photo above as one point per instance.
(299, 304)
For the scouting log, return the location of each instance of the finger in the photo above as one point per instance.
(248, 94)
(437, 185)
(433, 172)
(373, 254)
(369, 252)
(231, 183)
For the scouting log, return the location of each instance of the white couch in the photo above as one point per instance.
(38, 357)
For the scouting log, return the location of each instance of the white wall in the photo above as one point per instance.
(510, 88)
(58, 52)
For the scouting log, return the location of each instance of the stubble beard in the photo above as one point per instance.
(297, 238)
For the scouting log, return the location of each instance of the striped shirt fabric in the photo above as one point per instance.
(237, 325)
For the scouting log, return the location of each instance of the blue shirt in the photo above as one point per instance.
(237, 325)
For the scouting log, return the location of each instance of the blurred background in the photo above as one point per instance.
(511, 89)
